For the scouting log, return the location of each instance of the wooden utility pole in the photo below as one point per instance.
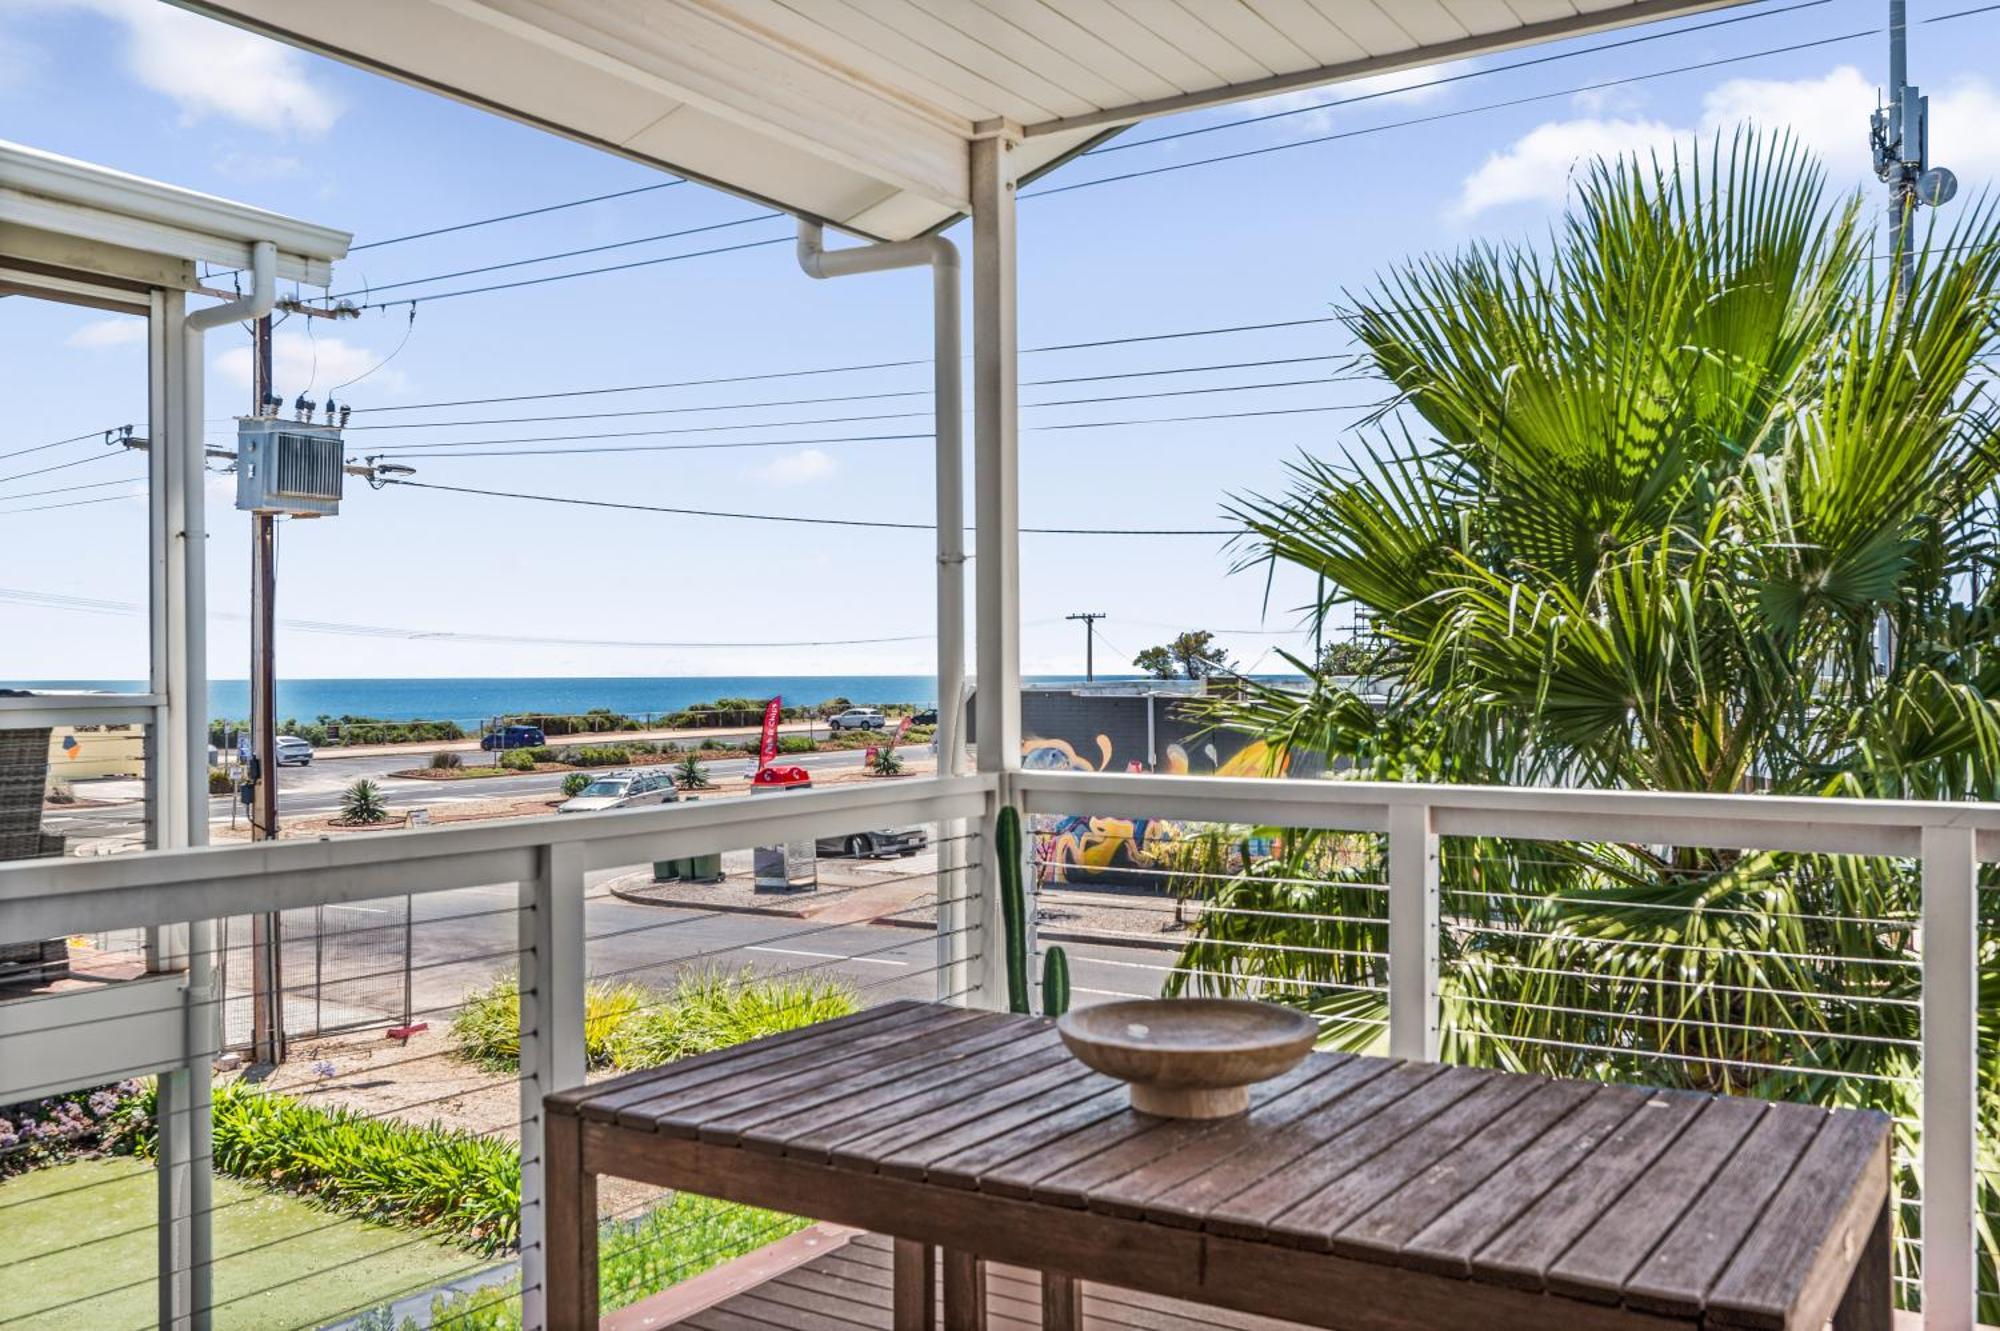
(267, 999)
(1089, 642)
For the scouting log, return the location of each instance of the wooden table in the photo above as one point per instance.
(1357, 1193)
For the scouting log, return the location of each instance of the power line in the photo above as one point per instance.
(1129, 340)
(69, 489)
(1435, 117)
(429, 450)
(73, 503)
(1124, 144)
(626, 506)
(509, 217)
(62, 466)
(73, 439)
(846, 397)
(585, 272)
(56, 601)
(827, 420)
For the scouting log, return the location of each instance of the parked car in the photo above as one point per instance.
(513, 737)
(858, 718)
(623, 790)
(884, 842)
(924, 717)
(293, 752)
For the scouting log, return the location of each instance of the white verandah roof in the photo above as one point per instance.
(858, 113)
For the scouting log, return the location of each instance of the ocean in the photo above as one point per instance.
(473, 701)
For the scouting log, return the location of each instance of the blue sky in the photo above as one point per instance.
(1278, 236)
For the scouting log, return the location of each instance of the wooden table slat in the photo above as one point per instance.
(1595, 1266)
(1383, 1229)
(1314, 1222)
(965, 1168)
(1383, 1110)
(1677, 1275)
(868, 1150)
(1519, 1254)
(873, 1099)
(931, 1056)
(785, 1062)
(998, 1126)
(928, 1107)
(1077, 1164)
(1446, 1242)
(602, 1100)
(1787, 1270)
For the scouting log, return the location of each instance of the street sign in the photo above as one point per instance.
(243, 747)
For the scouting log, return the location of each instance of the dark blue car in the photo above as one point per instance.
(514, 737)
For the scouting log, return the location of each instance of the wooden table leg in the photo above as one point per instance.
(1869, 1303)
(964, 1291)
(569, 1201)
(1062, 1302)
(915, 1282)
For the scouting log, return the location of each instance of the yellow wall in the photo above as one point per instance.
(75, 755)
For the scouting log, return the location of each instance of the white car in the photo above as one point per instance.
(294, 752)
(858, 718)
(622, 790)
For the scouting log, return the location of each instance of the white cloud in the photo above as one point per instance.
(1829, 114)
(212, 69)
(312, 364)
(99, 334)
(1537, 167)
(1415, 86)
(801, 468)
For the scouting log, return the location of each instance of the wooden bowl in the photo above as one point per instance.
(1189, 1057)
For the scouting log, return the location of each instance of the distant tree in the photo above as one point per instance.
(1348, 657)
(1191, 655)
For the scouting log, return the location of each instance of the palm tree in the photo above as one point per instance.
(1680, 501)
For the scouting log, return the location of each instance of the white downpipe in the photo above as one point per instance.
(189, 668)
(948, 409)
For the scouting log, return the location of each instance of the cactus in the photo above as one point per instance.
(1013, 906)
(1055, 982)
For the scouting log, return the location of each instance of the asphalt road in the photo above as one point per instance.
(117, 811)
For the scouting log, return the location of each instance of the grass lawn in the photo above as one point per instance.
(51, 1279)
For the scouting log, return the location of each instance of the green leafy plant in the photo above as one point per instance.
(573, 784)
(361, 804)
(219, 782)
(446, 760)
(517, 760)
(886, 762)
(689, 774)
(487, 1027)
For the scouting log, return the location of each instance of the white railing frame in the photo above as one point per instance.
(550, 858)
(1950, 840)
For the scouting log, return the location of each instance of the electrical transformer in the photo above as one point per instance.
(291, 467)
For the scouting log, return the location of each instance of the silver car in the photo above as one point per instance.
(858, 718)
(622, 790)
(294, 752)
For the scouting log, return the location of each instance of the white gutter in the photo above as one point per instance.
(948, 405)
(191, 664)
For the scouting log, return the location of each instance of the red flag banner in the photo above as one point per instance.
(903, 728)
(767, 746)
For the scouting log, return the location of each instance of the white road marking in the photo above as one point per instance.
(829, 956)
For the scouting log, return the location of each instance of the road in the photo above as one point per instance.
(115, 818)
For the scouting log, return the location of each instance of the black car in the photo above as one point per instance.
(927, 717)
(514, 737)
(881, 843)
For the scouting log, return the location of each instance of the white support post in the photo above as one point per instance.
(1951, 1035)
(996, 519)
(166, 819)
(551, 989)
(1413, 933)
(171, 1172)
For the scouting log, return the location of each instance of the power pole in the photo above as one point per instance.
(1089, 643)
(267, 998)
(1899, 134)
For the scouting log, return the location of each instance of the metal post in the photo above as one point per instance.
(551, 988)
(1902, 193)
(996, 514)
(1951, 1036)
(171, 1172)
(166, 945)
(1413, 933)
(1089, 643)
(267, 1004)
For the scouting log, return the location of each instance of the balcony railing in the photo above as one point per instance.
(1390, 955)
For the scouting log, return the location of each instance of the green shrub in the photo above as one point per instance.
(689, 774)
(219, 782)
(709, 1010)
(626, 1026)
(541, 753)
(488, 1024)
(886, 762)
(597, 755)
(362, 803)
(797, 744)
(444, 760)
(574, 783)
(517, 760)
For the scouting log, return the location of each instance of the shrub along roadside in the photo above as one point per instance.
(626, 1026)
